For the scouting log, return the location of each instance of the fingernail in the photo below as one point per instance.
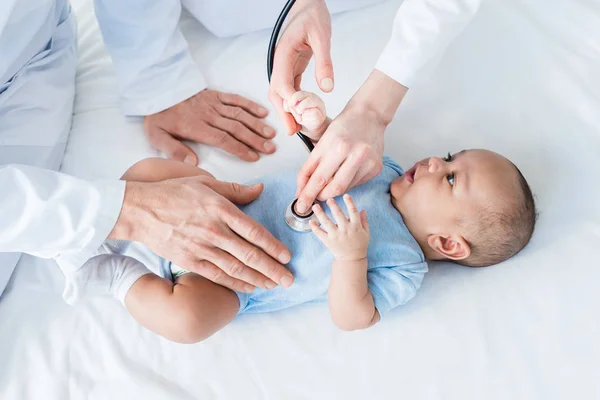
(268, 131)
(263, 111)
(253, 156)
(269, 146)
(190, 160)
(286, 281)
(255, 186)
(270, 285)
(327, 84)
(301, 206)
(248, 289)
(284, 257)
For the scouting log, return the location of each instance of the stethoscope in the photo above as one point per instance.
(296, 221)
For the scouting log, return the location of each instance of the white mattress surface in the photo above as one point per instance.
(523, 80)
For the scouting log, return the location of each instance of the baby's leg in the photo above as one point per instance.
(158, 169)
(188, 311)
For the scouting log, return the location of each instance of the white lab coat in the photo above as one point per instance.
(48, 214)
(155, 70)
(43, 212)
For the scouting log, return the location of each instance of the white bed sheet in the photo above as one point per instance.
(523, 80)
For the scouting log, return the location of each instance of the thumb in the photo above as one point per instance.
(173, 148)
(323, 64)
(288, 120)
(236, 193)
(364, 220)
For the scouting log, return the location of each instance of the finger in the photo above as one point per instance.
(216, 275)
(338, 214)
(234, 192)
(283, 81)
(239, 114)
(321, 47)
(223, 140)
(341, 180)
(297, 117)
(364, 220)
(240, 101)
(298, 97)
(319, 233)
(243, 134)
(235, 269)
(285, 59)
(297, 82)
(323, 218)
(171, 147)
(287, 119)
(319, 179)
(286, 107)
(260, 249)
(353, 214)
(307, 169)
(359, 178)
(310, 102)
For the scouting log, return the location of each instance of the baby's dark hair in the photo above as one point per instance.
(497, 235)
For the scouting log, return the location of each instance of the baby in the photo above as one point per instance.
(474, 207)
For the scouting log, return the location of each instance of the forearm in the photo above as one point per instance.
(53, 215)
(350, 301)
(379, 98)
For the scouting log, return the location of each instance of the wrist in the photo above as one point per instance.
(351, 259)
(379, 97)
(127, 227)
(316, 134)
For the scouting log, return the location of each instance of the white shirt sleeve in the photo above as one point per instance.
(152, 61)
(422, 31)
(53, 215)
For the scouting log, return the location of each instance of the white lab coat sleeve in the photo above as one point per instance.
(153, 64)
(422, 31)
(53, 215)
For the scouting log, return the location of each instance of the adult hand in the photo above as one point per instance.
(308, 30)
(192, 222)
(351, 149)
(228, 121)
(349, 153)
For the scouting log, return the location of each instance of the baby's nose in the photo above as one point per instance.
(434, 164)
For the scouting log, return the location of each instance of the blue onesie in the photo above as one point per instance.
(396, 263)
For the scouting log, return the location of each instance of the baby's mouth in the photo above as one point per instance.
(410, 174)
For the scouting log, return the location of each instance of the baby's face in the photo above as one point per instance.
(437, 193)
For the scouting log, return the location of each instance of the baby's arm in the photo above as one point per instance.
(350, 301)
(309, 111)
(191, 309)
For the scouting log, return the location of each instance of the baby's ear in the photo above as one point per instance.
(449, 246)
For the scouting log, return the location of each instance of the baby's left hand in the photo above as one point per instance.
(349, 239)
(309, 111)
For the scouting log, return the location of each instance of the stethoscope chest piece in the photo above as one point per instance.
(299, 223)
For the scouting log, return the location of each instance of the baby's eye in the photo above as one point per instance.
(448, 158)
(450, 178)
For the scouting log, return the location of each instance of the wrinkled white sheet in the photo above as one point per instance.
(523, 80)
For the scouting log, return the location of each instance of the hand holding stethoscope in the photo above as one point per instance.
(351, 150)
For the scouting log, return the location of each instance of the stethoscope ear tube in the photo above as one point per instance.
(271, 56)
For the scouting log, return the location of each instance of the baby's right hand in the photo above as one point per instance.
(309, 111)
